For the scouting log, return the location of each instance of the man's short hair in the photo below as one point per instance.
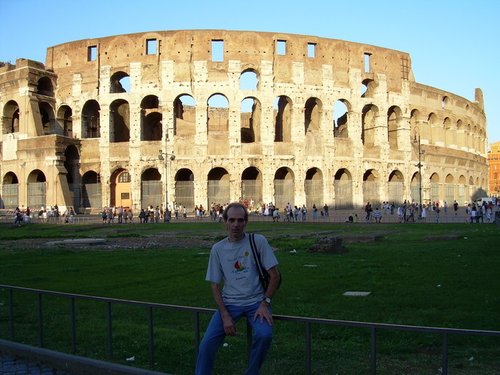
(236, 205)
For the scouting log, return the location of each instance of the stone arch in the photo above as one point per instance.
(184, 116)
(284, 187)
(449, 133)
(462, 186)
(119, 121)
(73, 178)
(37, 189)
(394, 119)
(250, 115)
(415, 122)
(184, 188)
(251, 187)
(368, 87)
(343, 189)
(395, 193)
(283, 119)
(433, 131)
(91, 190)
(47, 118)
(312, 126)
(249, 79)
(91, 120)
(10, 191)
(65, 120)
(151, 188)
(120, 188)
(416, 188)
(218, 125)
(313, 187)
(369, 125)
(218, 186)
(371, 187)
(341, 109)
(449, 189)
(119, 82)
(151, 119)
(45, 87)
(10, 117)
(434, 184)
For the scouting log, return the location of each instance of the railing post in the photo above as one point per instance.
(110, 330)
(151, 344)
(308, 338)
(11, 314)
(40, 320)
(196, 333)
(373, 351)
(73, 324)
(444, 363)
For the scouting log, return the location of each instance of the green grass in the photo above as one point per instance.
(445, 275)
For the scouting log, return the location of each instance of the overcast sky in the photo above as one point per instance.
(453, 44)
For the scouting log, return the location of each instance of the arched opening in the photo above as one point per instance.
(283, 119)
(184, 189)
(434, 182)
(45, 87)
(91, 126)
(10, 117)
(249, 80)
(10, 191)
(119, 121)
(120, 189)
(218, 125)
(343, 189)
(184, 116)
(449, 189)
(368, 119)
(368, 87)
(284, 188)
(47, 119)
(340, 119)
(371, 187)
(313, 187)
(119, 82)
(151, 188)
(415, 188)
(151, 119)
(251, 188)
(394, 115)
(218, 187)
(250, 120)
(72, 165)
(395, 187)
(65, 120)
(91, 190)
(37, 189)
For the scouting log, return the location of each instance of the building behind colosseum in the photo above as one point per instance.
(211, 116)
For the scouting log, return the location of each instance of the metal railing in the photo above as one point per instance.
(197, 311)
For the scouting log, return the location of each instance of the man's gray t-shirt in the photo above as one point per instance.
(233, 264)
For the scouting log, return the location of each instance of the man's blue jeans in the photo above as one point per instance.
(214, 337)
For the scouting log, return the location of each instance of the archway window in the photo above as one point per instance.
(249, 80)
(250, 120)
(151, 119)
(283, 119)
(340, 119)
(184, 116)
(119, 83)
(91, 123)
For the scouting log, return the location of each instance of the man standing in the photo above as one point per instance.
(232, 264)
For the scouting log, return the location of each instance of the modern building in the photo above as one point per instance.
(212, 116)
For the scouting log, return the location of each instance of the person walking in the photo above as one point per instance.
(232, 264)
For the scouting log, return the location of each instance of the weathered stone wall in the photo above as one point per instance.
(300, 151)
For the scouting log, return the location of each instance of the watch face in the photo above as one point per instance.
(267, 299)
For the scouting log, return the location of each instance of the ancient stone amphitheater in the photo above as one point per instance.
(210, 116)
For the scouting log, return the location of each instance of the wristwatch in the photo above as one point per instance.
(267, 300)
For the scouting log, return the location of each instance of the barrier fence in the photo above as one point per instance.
(9, 310)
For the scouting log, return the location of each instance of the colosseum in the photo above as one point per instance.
(210, 116)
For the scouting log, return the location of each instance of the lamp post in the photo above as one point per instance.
(419, 166)
(167, 158)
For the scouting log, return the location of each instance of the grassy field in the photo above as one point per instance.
(442, 275)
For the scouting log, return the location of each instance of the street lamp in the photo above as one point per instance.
(419, 166)
(167, 158)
